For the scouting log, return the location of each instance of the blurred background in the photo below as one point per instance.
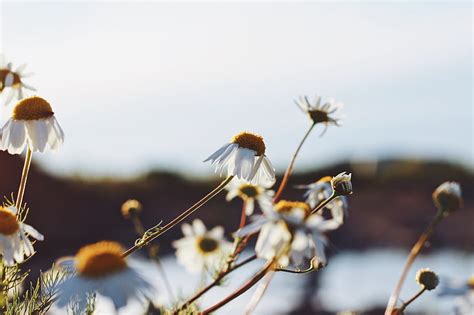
(145, 91)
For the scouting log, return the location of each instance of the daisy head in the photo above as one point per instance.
(32, 124)
(15, 243)
(342, 184)
(249, 193)
(321, 112)
(289, 233)
(131, 208)
(244, 157)
(11, 81)
(99, 269)
(447, 197)
(201, 249)
(427, 279)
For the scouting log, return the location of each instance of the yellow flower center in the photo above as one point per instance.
(207, 245)
(470, 282)
(8, 222)
(3, 78)
(250, 141)
(32, 108)
(249, 191)
(131, 207)
(100, 259)
(285, 206)
(325, 179)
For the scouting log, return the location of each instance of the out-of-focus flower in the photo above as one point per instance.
(33, 124)
(447, 197)
(321, 112)
(131, 207)
(100, 269)
(341, 184)
(244, 157)
(289, 233)
(321, 190)
(200, 249)
(461, 292)
(11, 81)
(249, 194)
(427, 279)
(14, 237)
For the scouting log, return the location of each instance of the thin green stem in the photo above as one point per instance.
(289, 169)
(416, 249)
(24, 178)
(147, 239)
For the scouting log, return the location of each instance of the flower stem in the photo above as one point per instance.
(411, 258)
(214, 283)
(24, 177)
(404, 306)
(250, 283)
(178, 219)
(292, 163)
(243, 216)
(323, 203)
(259, 292)
(153, 254)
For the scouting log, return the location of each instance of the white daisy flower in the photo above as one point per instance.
(289, 233)
(462, 292)
(100, 269)
(244, 157)
(11, 81)
(326, 112)
(200, 249)
(32, 124)
(15, 244)
(342, 184)
(249, 194)
(321, 190)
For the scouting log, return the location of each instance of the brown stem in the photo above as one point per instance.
(404, 306)
(410, 259)
(24, 177)
(214, 283)
(243, 216)
(323, 204)
(250, 283)
(289, 169)
(179, 218)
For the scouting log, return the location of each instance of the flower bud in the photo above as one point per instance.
(447, 197)
(341, 184)
(131, 207)
(427, 279)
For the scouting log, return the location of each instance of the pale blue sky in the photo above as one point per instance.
(142, 85)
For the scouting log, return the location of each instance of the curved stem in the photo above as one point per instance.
(250, 283)
(404, 306)
(289, 169)
(259, 293)
(179, 218)
(411, 258)
(24, 177)
(214, 283)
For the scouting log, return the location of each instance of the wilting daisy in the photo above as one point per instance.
(100, 269)
(462, 292)
(447, 197)
(289, 233)
(32, 124)
(326, 112)
(200, 249)
(244, 157)
(321, 190)
(11, 81)
(15, 244)
(249, 194)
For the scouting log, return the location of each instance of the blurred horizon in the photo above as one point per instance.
(144, 86)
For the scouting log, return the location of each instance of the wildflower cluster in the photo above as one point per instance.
(290, 235)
